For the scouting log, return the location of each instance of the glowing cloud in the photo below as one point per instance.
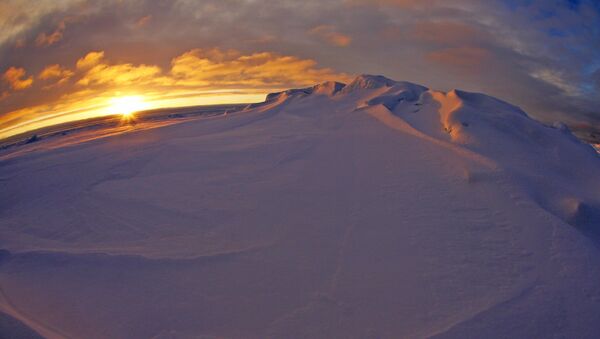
(207, 68)
(55, 72)
(89, 60)
(121, 74)
(216, 67)
(16, 78)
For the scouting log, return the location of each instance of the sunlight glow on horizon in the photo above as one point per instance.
(126, 103)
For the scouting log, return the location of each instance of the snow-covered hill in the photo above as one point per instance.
(367, 210)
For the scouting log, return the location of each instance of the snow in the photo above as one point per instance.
(378, 209)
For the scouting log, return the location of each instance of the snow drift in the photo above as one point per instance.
(373, 209)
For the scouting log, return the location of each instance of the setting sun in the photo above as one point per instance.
(127, 105)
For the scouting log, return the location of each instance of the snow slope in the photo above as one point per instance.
(377, 209)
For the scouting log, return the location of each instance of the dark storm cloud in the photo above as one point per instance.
(541, 55)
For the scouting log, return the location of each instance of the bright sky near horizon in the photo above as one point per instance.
(70, 59)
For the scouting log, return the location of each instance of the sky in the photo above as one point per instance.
(71, 59)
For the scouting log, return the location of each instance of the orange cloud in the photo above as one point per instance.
(228, 68)
(204, 68)
(44, 39)
(461, 57)
(121, 75)
(16, 78)
(329, 34)
(60, 74)
(89, 60)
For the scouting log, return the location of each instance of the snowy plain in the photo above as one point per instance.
(377, 209)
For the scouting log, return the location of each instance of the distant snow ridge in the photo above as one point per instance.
(366, 81)
(327, 88)
(397, 93)
(497, 131)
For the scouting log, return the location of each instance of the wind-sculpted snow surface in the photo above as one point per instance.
(380, 209)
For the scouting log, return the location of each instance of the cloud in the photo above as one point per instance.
(90, 60)
(19, 17)
(16, 78)
(44, 40)
(556, 79)
(56, 73)
(328, 33)
(120, 75)
(216, 67)
(207, 68)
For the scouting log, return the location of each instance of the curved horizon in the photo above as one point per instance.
(68, 60)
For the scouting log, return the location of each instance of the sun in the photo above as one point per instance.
(127, 105)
